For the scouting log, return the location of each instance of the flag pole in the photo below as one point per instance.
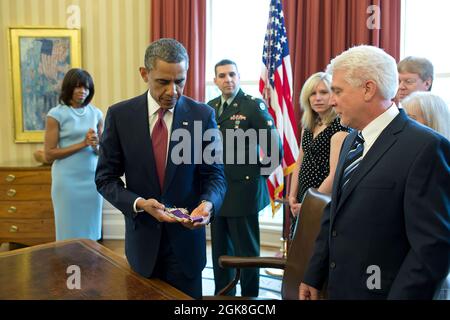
(276, 89)
(286, 215)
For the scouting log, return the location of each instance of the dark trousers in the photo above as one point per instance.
(236, 236)
(169, 270)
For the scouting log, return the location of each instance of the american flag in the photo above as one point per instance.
(275, 85)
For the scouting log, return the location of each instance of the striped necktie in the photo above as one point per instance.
(353, 159)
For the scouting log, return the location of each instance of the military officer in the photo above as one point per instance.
(235, 231)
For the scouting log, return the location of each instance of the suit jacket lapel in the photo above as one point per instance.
(141, 121)
(340, 168)
(179, 115)
(384, 142)
(215, 104)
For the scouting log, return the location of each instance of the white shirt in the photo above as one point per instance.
(229, 100)
(373, 130)
(153, 108)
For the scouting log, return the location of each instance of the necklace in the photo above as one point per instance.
(80, 114)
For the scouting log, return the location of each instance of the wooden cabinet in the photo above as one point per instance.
(26, 211)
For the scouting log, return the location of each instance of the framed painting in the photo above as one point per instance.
(40, 57)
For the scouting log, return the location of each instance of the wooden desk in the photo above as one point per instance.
(39, 272)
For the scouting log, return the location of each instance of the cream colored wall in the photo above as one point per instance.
(114, 35)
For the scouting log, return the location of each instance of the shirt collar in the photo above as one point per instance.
(229, 100)
(373, 130)
(153, 106)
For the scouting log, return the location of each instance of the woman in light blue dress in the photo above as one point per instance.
(72, 133)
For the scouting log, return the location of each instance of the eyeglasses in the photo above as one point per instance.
(408, 82)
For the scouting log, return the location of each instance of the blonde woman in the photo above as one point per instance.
(430, 110)
(322, 138)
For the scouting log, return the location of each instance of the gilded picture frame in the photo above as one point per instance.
(40, 57)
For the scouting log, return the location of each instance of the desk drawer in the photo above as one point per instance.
(25, 192)
(26, 209)
(25, 177)
(20, 228)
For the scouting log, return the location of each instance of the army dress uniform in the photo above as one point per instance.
(235, 231)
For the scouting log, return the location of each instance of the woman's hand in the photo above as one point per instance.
(294, 206)
(91, 139)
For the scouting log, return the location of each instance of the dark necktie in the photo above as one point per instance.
(222, 108)
(159, 142)
(353, 159)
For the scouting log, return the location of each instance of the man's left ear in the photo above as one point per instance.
(144, 74)
(370, 88)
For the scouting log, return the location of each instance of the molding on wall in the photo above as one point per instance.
(113, 222)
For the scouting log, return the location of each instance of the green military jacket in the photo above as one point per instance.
(247, 191)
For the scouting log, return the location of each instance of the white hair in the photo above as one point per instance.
(363, 63)
(434, 109)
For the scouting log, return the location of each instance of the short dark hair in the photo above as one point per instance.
(166, 49)
(76, 78)
(224, 62)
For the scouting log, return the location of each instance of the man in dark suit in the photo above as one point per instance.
(137, 143)
(386, 233)
(236, 231)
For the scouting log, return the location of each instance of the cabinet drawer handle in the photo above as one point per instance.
(14, 229)
(12, 209)
(11, 192)
(10, 178)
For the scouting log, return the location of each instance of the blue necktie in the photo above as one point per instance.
(353, 159)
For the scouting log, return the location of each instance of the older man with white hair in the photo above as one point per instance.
(386, 233)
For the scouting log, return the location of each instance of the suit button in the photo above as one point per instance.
(158, 226)
(334, 233)
(332, 265)
(247, 178)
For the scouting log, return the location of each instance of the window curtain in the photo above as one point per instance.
(318, 30)
(185, 21)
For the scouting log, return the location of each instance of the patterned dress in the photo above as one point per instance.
(76, 202)
(315, 166)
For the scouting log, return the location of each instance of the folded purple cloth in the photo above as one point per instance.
(180, 214)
